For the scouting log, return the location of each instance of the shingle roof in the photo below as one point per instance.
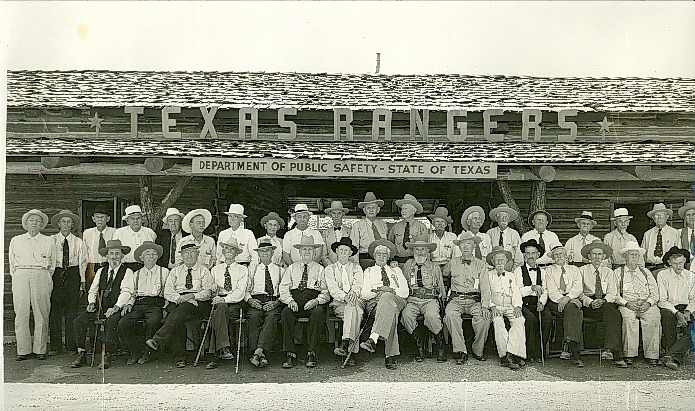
(503, 153)
(357, 91)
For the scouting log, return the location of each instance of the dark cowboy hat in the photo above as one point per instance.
(532, 243)
(273, 216)
(383, 242)
(677, 251)
(344, 241)
(607, 250)
(113, 244)
(190, 246)
(102, 209)
(147, 245)
(497, 250)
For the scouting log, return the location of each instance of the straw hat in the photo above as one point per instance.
(421, 241)
(470, 210)
(44, 218)
(237, 209)
(147, 245)
(131, 211)
(596, 244)
(337, 205)
(186, 224)
(370, 198)
(66, 213)
(273, 216)
(690, 205)
(513, 215)
(172, 211)
(659, 207)
(586, 216)
(301, 208)
(231, 242)
(497, 250)
(631, 246)
(385, 243)
(263, 246)
(467, 236)
(620, 213)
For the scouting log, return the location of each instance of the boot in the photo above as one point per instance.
(439, 339)
(420, 356)
(80, 360)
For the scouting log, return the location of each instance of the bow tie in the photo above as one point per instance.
(337, 228)
(467, 262)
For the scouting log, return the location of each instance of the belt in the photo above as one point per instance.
(459, 294)
(31, 268)
(265, 297)
(149, 298)
(427, 293)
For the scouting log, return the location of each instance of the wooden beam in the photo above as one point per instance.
(644, 173)
(157, 164)
(545, 173)
(57, 162)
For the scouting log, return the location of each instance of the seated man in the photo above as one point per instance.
(188, 289)
(384, 291)
(262, 297)
(600, 293)
(500, 294)
(142, 298)
(231, 279)
(677, 301)
(344, 280)
(426, 294)
(638, 294)
(466, 274)
(303, 289)
(103, 301)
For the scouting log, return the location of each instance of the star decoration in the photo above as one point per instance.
(604, 127)
(95, 122)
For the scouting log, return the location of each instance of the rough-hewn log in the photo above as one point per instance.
(545, 173)
(154, 213)
(57, 162)
(537, 197)
(644, 173)
(506, 191)
(156, 164)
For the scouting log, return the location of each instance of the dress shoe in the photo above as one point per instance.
(255, 360)
(620, 363)
(461, 358)
(41, 357)
(132, 359)
(607, 355)
(180, 363)
(669, 362)
(311, 360)
(628, 360)
(341, 350)
(368, 345)
(578, 363)
(79, 361)
(390, 363)
(479, 357)
(105, 362)
(22, 357)
(289, 363)
(652, 361)
(519, 361)
(152, 343)
(350, 362)
(264, 361)
(225, 354)
(509, 362)
(145, 358)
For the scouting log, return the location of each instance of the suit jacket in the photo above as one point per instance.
(164, 239)
(329, 237)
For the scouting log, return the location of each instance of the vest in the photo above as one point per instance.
(109, 298)
(530, 299)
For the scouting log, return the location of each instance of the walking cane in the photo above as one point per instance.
(540, 330)
(238, 346)
(96, 327)
(351, 346)
(205, 334)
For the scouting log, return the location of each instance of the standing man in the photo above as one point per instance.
(505, 236)
(334, 234)
(446, 249)
(368, 229)
(195, 222)
(32, 258)
(169, 238)
(565, 286)
(272, 222)
(244, 237)
(534, 296)
(427, 294)
(638, 295)
(408, 228)
(303, 289)
(94, 239)
(574, 245)
(471, 220)
(68, 280)
(687, 233)
(619, 237)
(290, 253)
(467, 272)
(540, 220)
(384, 291)
(660, 238)
(133, 235)
(599, 296)
(677, 303)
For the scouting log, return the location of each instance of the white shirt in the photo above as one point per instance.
(548, 237)
(669, 238)
(206, 252)
(90, 237)
(574, 247)
(257, 279)
(510, 240)
(362, 233)
(525, 290)
(372, 281)
(343, 278)
(608, 284)
(637, 284)
(485, 245)
(573, 282)
(617, 242)
(294, 236)
(77, 249)
(675, 289)
(142, 283)
(245, 239)
(315, 281)
(133, 239)
(446, 249)
(499, 288)
(239, 276)
(277, 253)
(203, 283)
(94, 288)
(35, 252)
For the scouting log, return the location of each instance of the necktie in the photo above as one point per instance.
(406, 234)
(385, 278)
(377, 236)
(172, 249)
(109, 284)
(583, 244)
(102, 241)
(227, 279)
(692, 241)
(563, 284)
(268, 283)
(189, 279)
(659, 249)
(66, 254)
(599, 288)
(540, 240)
(418, 276)
(305, 278)
(538, 276)
(337, 228)
(501, 238)
(478, 253)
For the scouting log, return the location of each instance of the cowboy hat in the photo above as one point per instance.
(66, 213)
(231, 242)
(659, 207)
(555, 246)
(503, 207)
(409, 199)
(467, 236)
(273, 216)
(677, 251)
(470, 210)
(533, 214)
(421, 241)
(186, 224)
(131, 210)
(690, 205)
(497, 250)
(544, 260)
(607, 250)
(172, 211)
(44, 218)
(147, 245)
(264, 245)
(370, 198)
(236, 209)
(620, 213)
(102, 209)
(113, 244)
(307, 241)
(586, 216)
(301, 208)
(443, 213)
(632, 246)
(385, 243)
(532, 243)
(337, 205)
(346, 241)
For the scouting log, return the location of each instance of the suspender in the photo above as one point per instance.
(622, 278)
(161, 279)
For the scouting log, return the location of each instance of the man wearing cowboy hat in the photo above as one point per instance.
(231, 281)
(142, 298)
(95, 238)
(244, 237)
(169, 238)
(384, 291)
(195, 222)
(303, 289)
(68, 280)
(574, 245)
(133, 235)
(262, 297)
(617, 238)
(565, 286)
(188, 290)
(467, 272)
(337, 231)
(290, 251)
(687, 233)
(530, 278)
(368, 229)
(426, 294)
(677, 304)
(472, 220)
(660, 238)
(103, 301)
(32, 258)
(500, 295)
(505, 236)
(598, 297)
(540, 220)
(272, 222)
(638, 294)
(344, 280)
(446, 249)
(407, 228)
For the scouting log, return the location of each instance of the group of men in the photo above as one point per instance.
(367, 271)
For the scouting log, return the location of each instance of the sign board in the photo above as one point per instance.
(232, 167)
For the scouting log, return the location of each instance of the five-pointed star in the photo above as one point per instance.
(604, 125)
(95, 122)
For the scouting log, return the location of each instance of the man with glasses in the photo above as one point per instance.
(133, 235)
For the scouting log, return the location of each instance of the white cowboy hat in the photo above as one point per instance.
(410, 199)
(186, 224)
(370, 198)
(630, 246)
(131, 210)
(659, 207)
(470, 210)
(172, 211)
(306, 241)
(690, 205)
(44, 218)
(586, 216)
(503, 207)
(620, 213)
(301, 208)
(467, 236)
(236, 209)
(555, 246)
(337, 205)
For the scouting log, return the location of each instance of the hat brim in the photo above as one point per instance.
(228, 213)
(533, 244)
(298, 246)
(547, 215)
(431, 246)
(651, 213)
(137, 254)
(625, 250)
(56, 218)
(622, 216)
(186, 223)
(335, 246)
(44, 218)
(448, 219)
(416, 204)
(684, 209)
(344, 210)
(271, 247)
(489, 257)
(607, 250)
(125, 217)
(513, 215)
(124, 249)
(278, 219)
(383, 242)
(362, 204)
(236, 247)
(469, 211)
(475, 239)
(578, 219)
(166, 217)
(676, 251)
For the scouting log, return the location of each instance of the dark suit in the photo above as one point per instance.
(164, 239)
